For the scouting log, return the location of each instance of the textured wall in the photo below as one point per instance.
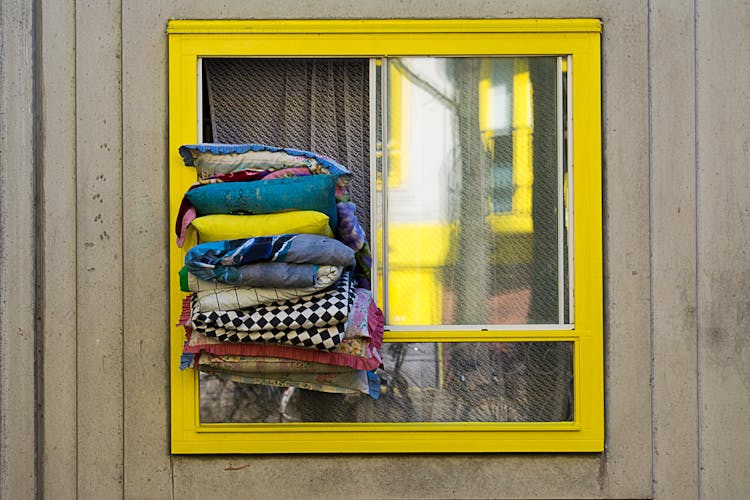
(676, 186)
(17, 250)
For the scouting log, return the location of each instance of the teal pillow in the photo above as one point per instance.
(310, 192)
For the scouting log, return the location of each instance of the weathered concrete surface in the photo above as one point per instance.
(147, 465)
(723, 136)
(390, 476)
(58, 211)
(627, 462)
(99, 249)
(17, 255)
(672, 201)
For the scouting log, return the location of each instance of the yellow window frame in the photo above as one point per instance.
(577, 38)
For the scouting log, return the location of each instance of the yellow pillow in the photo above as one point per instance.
(233, 227)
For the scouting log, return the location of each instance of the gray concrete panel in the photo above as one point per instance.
(17, 251)
(416, 9)
(99, 221)
(147, 230)
(723, 42)
(388, 476)
(58, 206)
(627, 466)
(673, 279)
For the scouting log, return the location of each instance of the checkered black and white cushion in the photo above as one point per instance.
(316, 338)
(317, 321)
(316, 311)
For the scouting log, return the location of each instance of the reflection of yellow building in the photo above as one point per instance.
(419, 249)
(512, 229)
(416, 254)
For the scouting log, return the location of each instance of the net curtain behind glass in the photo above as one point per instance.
(320, 105)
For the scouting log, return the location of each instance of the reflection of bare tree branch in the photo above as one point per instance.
(423, 84)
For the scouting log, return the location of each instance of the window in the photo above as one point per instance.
(483, 167)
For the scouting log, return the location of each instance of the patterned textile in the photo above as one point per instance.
(325, 276)
(359, 353)
(302, 313)
(315, 338)
(351, 233)
(288, 172)
(349, 229)
(359, 314)
(217, 296)
(349, 382)
(266, 275)
(212, 159)
(359, 349)
(296, 248)
(267, 364)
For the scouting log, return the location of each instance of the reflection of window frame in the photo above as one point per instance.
(190, 40)
(518, 218)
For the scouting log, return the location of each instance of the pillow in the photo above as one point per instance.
(314, 192)
(231, 227)
(214, 159)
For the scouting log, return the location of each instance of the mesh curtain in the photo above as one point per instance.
(320, 105)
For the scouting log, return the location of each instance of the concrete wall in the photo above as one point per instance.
(84, 400)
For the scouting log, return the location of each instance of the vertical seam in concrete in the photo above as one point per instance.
(77, 288)
(122, 250)
(649, 58)
(37, 196)
(696, 81)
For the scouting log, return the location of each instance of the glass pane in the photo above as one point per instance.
(422, 382)
(474, 219)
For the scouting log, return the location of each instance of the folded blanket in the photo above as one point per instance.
(215, 296)
(211, 159)
(287, 172)
(238, 369)
(325, 338)
(295, 248)
(266, 364)
(263, 275)
(319, 310)
(360, 348)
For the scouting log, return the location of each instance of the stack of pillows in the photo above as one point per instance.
(277, 272)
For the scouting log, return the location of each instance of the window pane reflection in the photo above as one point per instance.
(422, 382)
(473, 225)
